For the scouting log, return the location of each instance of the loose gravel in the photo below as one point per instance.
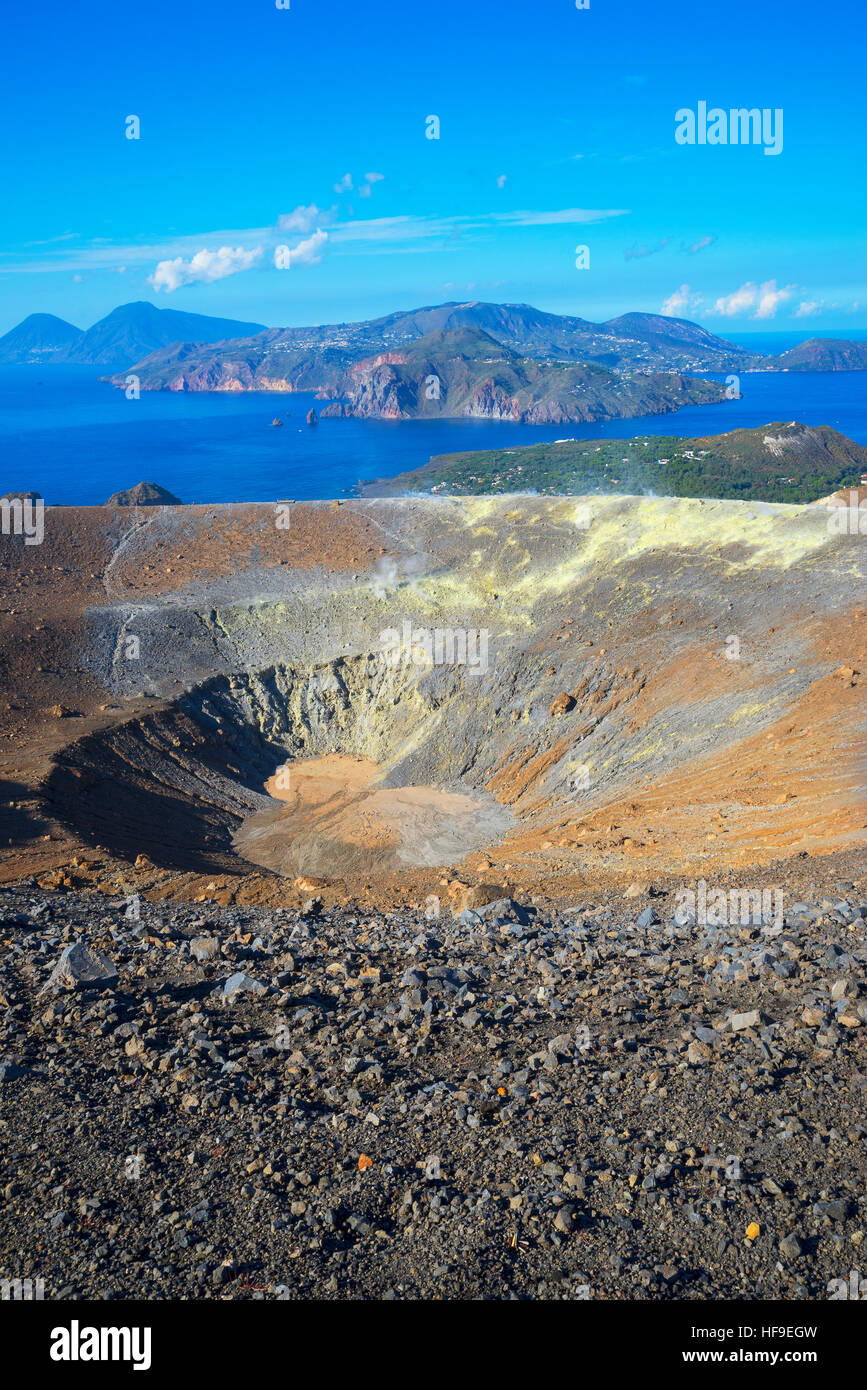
(522, 1102)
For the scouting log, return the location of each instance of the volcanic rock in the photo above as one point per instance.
(81, 967)
(562, 704)
(144, 495)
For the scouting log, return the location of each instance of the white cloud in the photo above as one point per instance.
(205, 267)
(307, 252)
(501, 181)
(770, 298)
(344, 185)
(302, 219)
(808, 307)
(701, 244)
(737, 302)
(682, 301)
(374, 178)
(764, 299)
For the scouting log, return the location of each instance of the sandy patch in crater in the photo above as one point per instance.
(331, 816)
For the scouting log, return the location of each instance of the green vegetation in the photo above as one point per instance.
(776, 463)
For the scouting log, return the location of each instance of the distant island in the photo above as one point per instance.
(780, 462)
(126, 334)
(456, 360)
(822, 355)
(466, 372)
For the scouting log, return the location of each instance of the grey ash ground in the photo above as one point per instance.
(555, 1103)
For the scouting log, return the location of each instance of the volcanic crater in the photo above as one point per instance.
(669, 684)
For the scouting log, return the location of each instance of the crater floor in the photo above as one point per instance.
(335, 818)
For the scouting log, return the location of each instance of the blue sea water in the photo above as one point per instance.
(75, 439)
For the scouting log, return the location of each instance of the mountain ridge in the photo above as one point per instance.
(465, 372)
(132, 333)
(315, 358)
(127, 333)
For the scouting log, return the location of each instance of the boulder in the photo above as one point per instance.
(239, 983)
(204, 948)
(562, 704)
(81, 967)
(10, 1071)
(478, 896)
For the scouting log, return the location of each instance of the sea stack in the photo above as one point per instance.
(312, 417)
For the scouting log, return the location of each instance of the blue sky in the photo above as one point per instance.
(305, 128)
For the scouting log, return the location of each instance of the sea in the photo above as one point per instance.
(76, 440)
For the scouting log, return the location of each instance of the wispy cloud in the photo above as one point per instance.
(390, 229)
(563, 215)
(404, 227)
(98, 254)
(211, 256)
(638, 252)
(635, 253)
(406, 235)
(809, 308)
(700, 245)
(52, 240)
